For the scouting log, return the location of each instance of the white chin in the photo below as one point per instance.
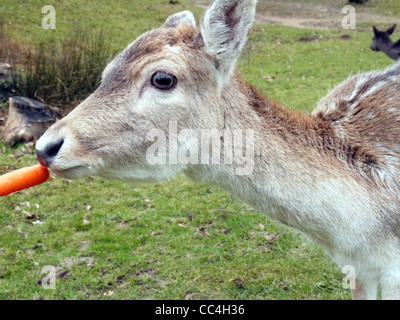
(127, 173)
(134, 174)
(72, 173)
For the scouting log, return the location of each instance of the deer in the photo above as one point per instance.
(332, 174)
(382, 42)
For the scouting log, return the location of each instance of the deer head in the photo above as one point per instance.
(177, 72)
(382, 42)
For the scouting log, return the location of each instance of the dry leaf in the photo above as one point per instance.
(85, 245)
(63, 274)
(204, 232)
(29, 215)
(191, 296)
(272, 237)
(148, 203)
(239, 282)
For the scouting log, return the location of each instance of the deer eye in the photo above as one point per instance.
(163, 80)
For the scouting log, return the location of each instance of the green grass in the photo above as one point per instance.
(299, 73)
(177, 239)
(388, 8)
(121, 20)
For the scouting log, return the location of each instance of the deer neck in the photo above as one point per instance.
(295, 166)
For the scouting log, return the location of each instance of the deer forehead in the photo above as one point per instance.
(126, 81)
(161, 42)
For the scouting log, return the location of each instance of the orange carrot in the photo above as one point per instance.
(22, 179)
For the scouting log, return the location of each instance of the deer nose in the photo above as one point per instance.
(50, 151)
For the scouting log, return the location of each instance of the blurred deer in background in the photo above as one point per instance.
(382, 42)
(333, 174)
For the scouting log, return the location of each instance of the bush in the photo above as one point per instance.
(60, 74)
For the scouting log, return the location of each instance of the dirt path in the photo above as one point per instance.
(309, 15)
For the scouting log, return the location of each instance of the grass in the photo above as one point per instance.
(388, 8)
(281, 61)
(123, 20)
(173, 240)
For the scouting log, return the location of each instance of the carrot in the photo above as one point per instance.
(22, 179)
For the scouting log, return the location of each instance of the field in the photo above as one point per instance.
(177, 239)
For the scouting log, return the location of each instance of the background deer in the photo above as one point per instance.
(382, 42)
(332, 174)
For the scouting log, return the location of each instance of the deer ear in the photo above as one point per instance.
(391, 30)
(184, 17)
(376, 31)
(224, 28)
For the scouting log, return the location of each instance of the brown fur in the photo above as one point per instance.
(368, 126)
(317, 132)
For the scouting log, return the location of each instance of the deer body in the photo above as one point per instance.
(333, 174)
(309, 175)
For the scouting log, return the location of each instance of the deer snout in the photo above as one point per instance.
(374, 48)
(48, 152)
(51, 144)
(58, 150)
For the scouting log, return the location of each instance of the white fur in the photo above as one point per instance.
(223, 41)
(184, 17)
